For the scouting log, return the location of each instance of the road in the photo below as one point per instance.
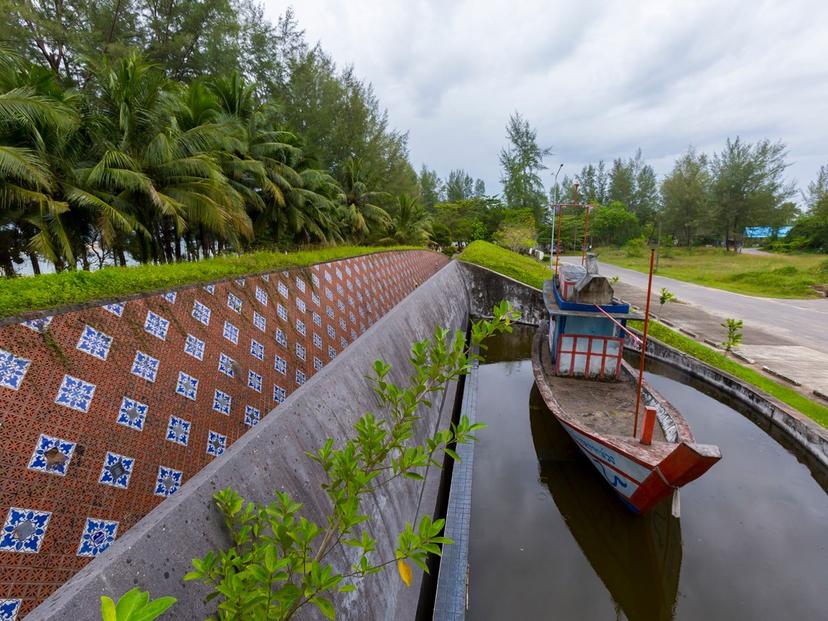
(804, 322)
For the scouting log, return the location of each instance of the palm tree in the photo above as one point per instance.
(361, 213)
(411, 224)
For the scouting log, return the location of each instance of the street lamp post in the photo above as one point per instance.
(554, 210)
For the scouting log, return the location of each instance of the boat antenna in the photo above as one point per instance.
(643, 356)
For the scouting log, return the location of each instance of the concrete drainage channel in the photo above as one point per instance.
(271, 457)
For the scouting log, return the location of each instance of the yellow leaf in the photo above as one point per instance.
(405, 571)
(107, 609)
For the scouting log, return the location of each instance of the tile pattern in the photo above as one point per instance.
(83, 437)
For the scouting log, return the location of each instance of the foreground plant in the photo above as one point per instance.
(134, 605)
(734, 334)
(280, 560)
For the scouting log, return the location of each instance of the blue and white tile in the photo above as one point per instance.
(266, 277)
(231, 333)
(12, 369)
(281, 311)
(24, 530)
(97, 536)
(187, 386)
(300, 377)
(281, 337)
(156, 325)
(40, 325)
(222, 402)
(234, 303)
(252, 415)
(227, 365)
(261, 295)
(300, 304)
(9, 609)
(94, 342)
(300, 327)
(132, 414)
(178, 430)
(201, 313)
(116, 309)
(75, 393)
(331, 353)
(283, 290)
(211, 289)
(280, 364)
(300, 351)
(168, 481)
(194, 346)
(254, 381)
(317, 364)
(170, 296)
(216, 443)
(257, 349)
(239, 282)
(52, 455)
(145, 366)
(279, 393)
(300, 284)
(259, 321)
(116, 470)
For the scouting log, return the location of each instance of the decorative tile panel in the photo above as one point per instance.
(194, 347)
(279, 393)
(234, 303)
(76, 394)
(281, 311)
(254, 381)
(222, 402)
(39, 325)
(178, 430)
(12, 369)
(156, 325)
(116, 470)
(251, 415)
(261, 295)
(187, 386)
(257, 349)
(170, 296)
(211, 289)
(317, 340)
(283, 290)
(300, 377)
(227, 365)
(9, 609)
(300, 351)
(52, 455)
(24, 530)
(115, 309)
(168, 481)
(145, 366)
(300, 304)
(259, 321)
(132, 414)
(300, 327)
(94, 342)
(97, 536)
(280, 364)
(201, 313)
(231, 333)
(281, 337)
(216, 443)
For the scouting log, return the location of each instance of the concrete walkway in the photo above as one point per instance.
(787, 336)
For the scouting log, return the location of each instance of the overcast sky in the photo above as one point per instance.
(595, 79)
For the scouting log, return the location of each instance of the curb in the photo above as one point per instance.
(689, 333)
(742, 357)
(782, 376)
(712, 343)
(821, 394)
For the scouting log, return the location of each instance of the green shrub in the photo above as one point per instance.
(635, 247)
(134, 605)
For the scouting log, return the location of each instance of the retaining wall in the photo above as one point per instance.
(486, 288)
(105, 411)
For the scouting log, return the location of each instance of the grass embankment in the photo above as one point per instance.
(18, 295)
(776, 276)
(532, 273)
(517, 266)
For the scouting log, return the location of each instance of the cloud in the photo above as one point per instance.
(596, 79)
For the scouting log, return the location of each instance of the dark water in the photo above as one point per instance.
(550, 541)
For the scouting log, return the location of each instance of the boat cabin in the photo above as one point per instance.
(585, 322)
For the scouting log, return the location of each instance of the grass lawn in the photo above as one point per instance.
(517, 266)
(532, 273)
(19, 295)
(777, 276)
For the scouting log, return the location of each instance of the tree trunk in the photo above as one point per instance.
(121, 257)
(35, 263)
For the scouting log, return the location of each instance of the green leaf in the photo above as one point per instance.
(153, 610)
(131, 601)
(108, 609)
(325, 607)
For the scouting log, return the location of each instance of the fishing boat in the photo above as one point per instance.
(577, 359)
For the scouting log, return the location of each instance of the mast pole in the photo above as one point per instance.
(643, 356)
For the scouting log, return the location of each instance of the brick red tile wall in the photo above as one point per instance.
(107, 410)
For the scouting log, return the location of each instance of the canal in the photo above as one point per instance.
(549, 541)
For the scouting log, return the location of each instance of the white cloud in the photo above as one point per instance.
(596, 79)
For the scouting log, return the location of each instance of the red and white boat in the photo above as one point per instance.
(579, 369)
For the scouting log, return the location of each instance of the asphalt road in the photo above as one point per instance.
(805, 322)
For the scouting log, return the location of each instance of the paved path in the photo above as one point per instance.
(790, 336)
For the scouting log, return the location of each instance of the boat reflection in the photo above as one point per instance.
(638, 558)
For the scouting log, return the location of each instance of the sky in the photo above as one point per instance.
(596, 79)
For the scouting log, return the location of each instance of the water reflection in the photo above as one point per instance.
(637, 558)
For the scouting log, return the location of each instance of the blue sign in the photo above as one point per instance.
(758, 232)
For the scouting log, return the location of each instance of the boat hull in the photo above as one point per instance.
(641, 475)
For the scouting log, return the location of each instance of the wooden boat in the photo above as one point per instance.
(638, 558)
(585, 382)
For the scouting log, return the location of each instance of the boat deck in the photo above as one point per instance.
(607, 407)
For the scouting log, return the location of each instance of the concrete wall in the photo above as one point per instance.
(157, 551)
(486, 288)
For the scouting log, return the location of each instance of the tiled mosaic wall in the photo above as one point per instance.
(106, 411)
